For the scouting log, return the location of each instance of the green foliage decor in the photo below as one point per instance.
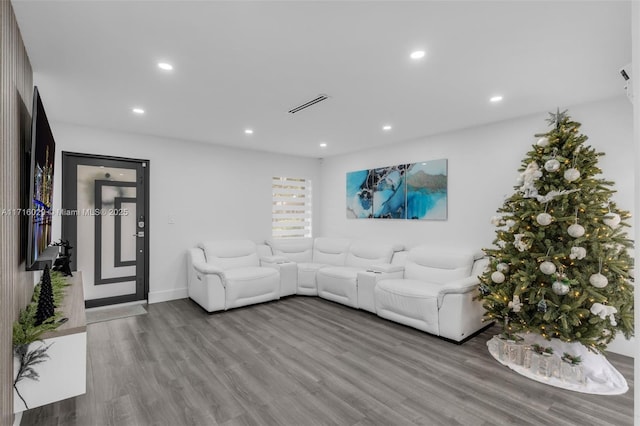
(571, 359)
(539, 349)
(24, 330)
(560, 266)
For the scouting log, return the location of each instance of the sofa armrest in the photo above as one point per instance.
(208, 269)
(385, 268)
(462, 286)
(263, 250)
(366, 285)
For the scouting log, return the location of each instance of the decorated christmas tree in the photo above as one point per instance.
(46, 308)
(560, 266)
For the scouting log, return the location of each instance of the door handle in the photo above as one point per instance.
(139, 234)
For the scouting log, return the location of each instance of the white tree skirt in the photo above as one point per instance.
(600, 377)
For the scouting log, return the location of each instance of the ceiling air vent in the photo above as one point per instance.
(320, 98)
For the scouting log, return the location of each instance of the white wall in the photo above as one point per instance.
(213, 192)
(483, 163)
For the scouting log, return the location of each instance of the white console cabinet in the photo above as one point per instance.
(64, 374)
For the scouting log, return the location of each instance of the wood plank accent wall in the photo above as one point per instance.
(16, 285)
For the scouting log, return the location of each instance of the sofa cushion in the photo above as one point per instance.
(340, 272)
(366, 253)
(339, 283)
(249, 273)
(295, 249)
(437, 266)
(332, 251)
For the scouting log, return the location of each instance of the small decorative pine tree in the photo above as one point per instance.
(561, 263)
(46, 307)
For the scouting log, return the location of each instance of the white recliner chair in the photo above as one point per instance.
(435, 293)
(228, 274)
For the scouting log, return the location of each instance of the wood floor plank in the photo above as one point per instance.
(306, 361)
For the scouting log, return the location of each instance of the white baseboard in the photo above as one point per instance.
(166, 295)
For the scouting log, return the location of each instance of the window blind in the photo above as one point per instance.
(291, 209)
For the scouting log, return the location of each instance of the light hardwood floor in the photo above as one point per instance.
(307, 361)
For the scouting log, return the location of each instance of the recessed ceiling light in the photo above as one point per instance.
(418, 54)
(496, 98)
(386, 127)
(323, 145)
(138, 111)
(165, 66)
(248, 131)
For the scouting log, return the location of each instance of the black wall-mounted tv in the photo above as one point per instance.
(39, 211)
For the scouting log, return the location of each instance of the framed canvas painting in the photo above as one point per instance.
(389, 196)
(359, 194)
(427, 190)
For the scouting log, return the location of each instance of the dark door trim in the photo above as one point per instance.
(70, 160)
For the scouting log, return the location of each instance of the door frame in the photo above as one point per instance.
(70, 160)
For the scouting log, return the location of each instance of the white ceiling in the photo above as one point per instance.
(245, 64)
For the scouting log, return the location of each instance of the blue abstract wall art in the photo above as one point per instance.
(359, 194)
(416, 191)
(389, 196)
(427, 190)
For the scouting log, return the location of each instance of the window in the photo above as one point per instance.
(291, 211)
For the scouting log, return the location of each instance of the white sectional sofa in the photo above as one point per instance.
(426, 288)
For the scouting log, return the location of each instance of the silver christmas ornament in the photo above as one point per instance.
(576, 230)
(543, 141)
(497, 277)
(613, 221)
(571, 174)
(544, 219)
(547, 267)
(552, 165)
(560, 288)
(598, 280)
